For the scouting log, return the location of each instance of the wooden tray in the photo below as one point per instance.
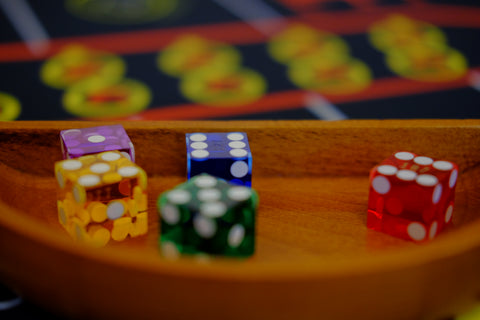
(315, 258)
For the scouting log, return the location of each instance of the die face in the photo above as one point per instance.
(79, 142)
(402, 228)
(411, 196)
(92, 172)
(102, 197)
(209, 215)
(223, 155)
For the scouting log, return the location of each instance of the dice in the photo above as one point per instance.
(208, 215)
(101, 197)
(223, 155)
(79, 142)
(411, 197)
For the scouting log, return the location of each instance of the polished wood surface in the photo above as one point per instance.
(315, 258)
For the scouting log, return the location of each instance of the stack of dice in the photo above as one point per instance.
(213, 212)
(411, 197)
(101, 191)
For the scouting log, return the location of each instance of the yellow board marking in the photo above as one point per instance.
(191, 53)
(328, 77)
(417, 50)
(75, 64)
(299, 41)
(472, 314)
(122, 12)
(398, 31)
(9, 107)
(222, 88)
(431, 66)
(99, 99)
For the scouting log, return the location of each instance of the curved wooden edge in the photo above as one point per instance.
(466, 239)
(448, 247)
(327, 148)
(250, 124)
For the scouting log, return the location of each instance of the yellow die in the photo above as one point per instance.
(96, 190)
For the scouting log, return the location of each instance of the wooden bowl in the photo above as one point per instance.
(315, 258)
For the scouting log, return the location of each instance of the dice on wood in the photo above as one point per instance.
(411, 197)
(223, 155)
(80, 142)
(102, 196)
(208, 215)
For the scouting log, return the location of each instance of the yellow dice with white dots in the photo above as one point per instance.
(101, 197)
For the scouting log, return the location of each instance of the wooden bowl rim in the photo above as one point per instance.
(455, 243)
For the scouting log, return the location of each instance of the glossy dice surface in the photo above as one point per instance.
(411, 196)
(208, 215)
(223, 155)
(101, 197)
(79, 142)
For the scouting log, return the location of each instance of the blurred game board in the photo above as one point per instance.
(224, 59)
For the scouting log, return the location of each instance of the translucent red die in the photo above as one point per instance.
(411, 196)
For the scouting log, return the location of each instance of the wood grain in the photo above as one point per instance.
(314, 256)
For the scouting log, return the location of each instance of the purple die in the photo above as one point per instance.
(79, 142)
(225, 155)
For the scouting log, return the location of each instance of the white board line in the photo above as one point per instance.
(10, 304)
(27, 25)
(322, 108)
(474, 80)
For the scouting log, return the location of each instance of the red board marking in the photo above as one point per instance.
(136, 41)
(295, 99)
(106, 98)
(238, 33)
(355, 22)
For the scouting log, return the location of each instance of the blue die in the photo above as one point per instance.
(225, 155)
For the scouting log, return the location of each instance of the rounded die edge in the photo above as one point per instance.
(254, 197)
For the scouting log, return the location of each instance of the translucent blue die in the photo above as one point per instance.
(224, 155)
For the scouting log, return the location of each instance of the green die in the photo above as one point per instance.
(208, 215)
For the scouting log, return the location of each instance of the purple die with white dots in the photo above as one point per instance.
(224, 155)
(79, 142)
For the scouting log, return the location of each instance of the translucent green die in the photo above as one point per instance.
(208, 215)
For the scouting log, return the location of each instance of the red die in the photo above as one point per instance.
(411, 197)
